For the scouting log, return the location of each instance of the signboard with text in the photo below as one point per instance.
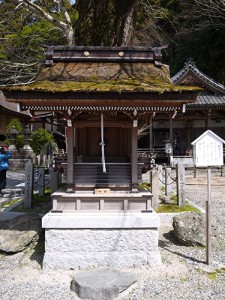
(208, 150)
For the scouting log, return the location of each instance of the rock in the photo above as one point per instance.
(101, 284)
(18, 233)
(189, 228)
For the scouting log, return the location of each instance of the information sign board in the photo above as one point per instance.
(208, 150)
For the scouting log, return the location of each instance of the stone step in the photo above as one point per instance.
(12, 192)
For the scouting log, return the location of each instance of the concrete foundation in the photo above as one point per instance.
(87, 240)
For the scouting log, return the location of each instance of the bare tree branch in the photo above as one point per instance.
(65, 27)
(214, 10)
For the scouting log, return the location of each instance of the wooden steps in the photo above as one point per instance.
(118, 175)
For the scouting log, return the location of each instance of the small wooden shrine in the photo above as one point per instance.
(102, 96)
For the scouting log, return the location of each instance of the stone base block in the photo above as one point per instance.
(83, 240)
(120, 260)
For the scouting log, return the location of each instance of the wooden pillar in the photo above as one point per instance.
(171, 128)
(70, 158)
(151, 133)
(134, 161)
(208, 121)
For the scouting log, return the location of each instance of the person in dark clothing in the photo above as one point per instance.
(4, 165)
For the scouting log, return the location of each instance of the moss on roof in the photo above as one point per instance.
(112, 85)
(103, 77)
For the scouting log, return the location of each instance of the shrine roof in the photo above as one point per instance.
(103, 77)
(190, 74)
(98, 77)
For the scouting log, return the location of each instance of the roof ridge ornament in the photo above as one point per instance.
(103, 54)
(190, 62)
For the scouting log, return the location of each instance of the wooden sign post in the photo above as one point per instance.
(208, 152)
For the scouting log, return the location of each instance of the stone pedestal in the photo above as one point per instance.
(93, 239)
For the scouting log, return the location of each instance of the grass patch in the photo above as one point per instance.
(173, 208)
(38, 201)
(41, 199)
(174, 198)
(10, 202)
(214, 275)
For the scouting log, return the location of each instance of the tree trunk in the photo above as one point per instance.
(70, 36)
(128, 23)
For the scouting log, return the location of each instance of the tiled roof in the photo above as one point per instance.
(207, 101)
(190, 69)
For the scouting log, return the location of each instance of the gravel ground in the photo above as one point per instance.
(183, 274)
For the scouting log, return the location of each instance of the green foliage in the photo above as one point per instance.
(19, 141)
(145, 186)
(15, 122)
(206, 48)
(39, 138)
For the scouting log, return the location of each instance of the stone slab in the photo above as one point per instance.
(108, 240)
(101, 220)
(78, 261)
(86, 194)
(102, 283)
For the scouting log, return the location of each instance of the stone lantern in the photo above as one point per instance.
(27, 151)
(12, 138)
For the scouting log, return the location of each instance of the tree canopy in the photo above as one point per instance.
(191, 28)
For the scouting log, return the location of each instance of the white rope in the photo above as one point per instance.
(103, 144)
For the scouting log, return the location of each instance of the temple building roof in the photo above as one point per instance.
(191, 75)
(101, 69)
(101, 78)
(213, 94)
